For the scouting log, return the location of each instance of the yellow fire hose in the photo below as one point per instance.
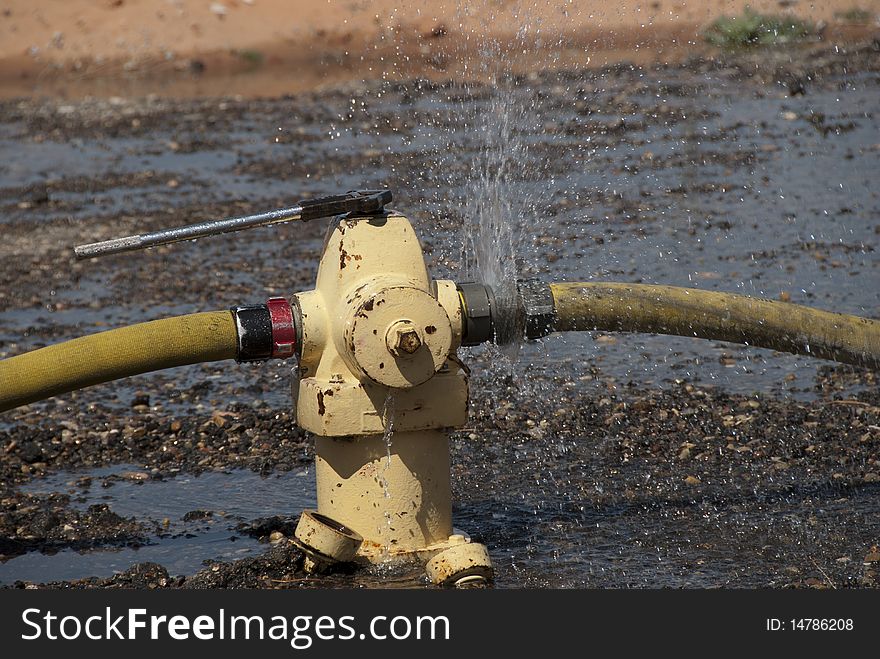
(581, 306)
(612, 307)
(114, 354)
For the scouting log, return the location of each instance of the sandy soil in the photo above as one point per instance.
(50, 46)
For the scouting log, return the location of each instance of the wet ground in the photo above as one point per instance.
(594, 460)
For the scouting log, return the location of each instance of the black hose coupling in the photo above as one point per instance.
(537, 308)
(266, 331)
(478, 305)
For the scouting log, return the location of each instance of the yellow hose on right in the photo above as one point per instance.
(657, 309)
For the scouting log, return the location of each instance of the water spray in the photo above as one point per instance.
(378, 379)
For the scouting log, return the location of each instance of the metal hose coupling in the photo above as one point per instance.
(537, 308)
(267, 331)
(530, 313)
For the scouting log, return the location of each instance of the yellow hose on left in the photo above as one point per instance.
(115, 354)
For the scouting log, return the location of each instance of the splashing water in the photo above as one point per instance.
(388, 420)
(490, 232)
(499, 205)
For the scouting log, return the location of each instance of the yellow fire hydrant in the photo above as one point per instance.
(379, 383)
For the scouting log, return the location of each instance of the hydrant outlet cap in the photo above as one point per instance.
(461, 564)
(325, 538)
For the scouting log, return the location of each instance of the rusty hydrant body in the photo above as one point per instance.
(379, 384)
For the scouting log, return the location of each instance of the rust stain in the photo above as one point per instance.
(321, 408)
(430, 329)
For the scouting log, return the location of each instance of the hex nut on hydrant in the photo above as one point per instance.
(403, 339)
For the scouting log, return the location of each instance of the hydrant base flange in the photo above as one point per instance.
(375, 553)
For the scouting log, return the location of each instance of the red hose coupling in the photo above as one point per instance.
(283, 328)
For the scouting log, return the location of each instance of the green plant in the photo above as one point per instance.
(754, 29)
(251, 56)
(854, 15)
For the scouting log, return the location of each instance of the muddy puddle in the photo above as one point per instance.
(594, 460)
(197, 518)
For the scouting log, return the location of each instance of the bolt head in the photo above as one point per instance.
(403, 339)
(408, 341)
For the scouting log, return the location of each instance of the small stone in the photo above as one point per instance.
(140, 398)
(692, 480)
(220, 418)
(194, 515)
(275, 537)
